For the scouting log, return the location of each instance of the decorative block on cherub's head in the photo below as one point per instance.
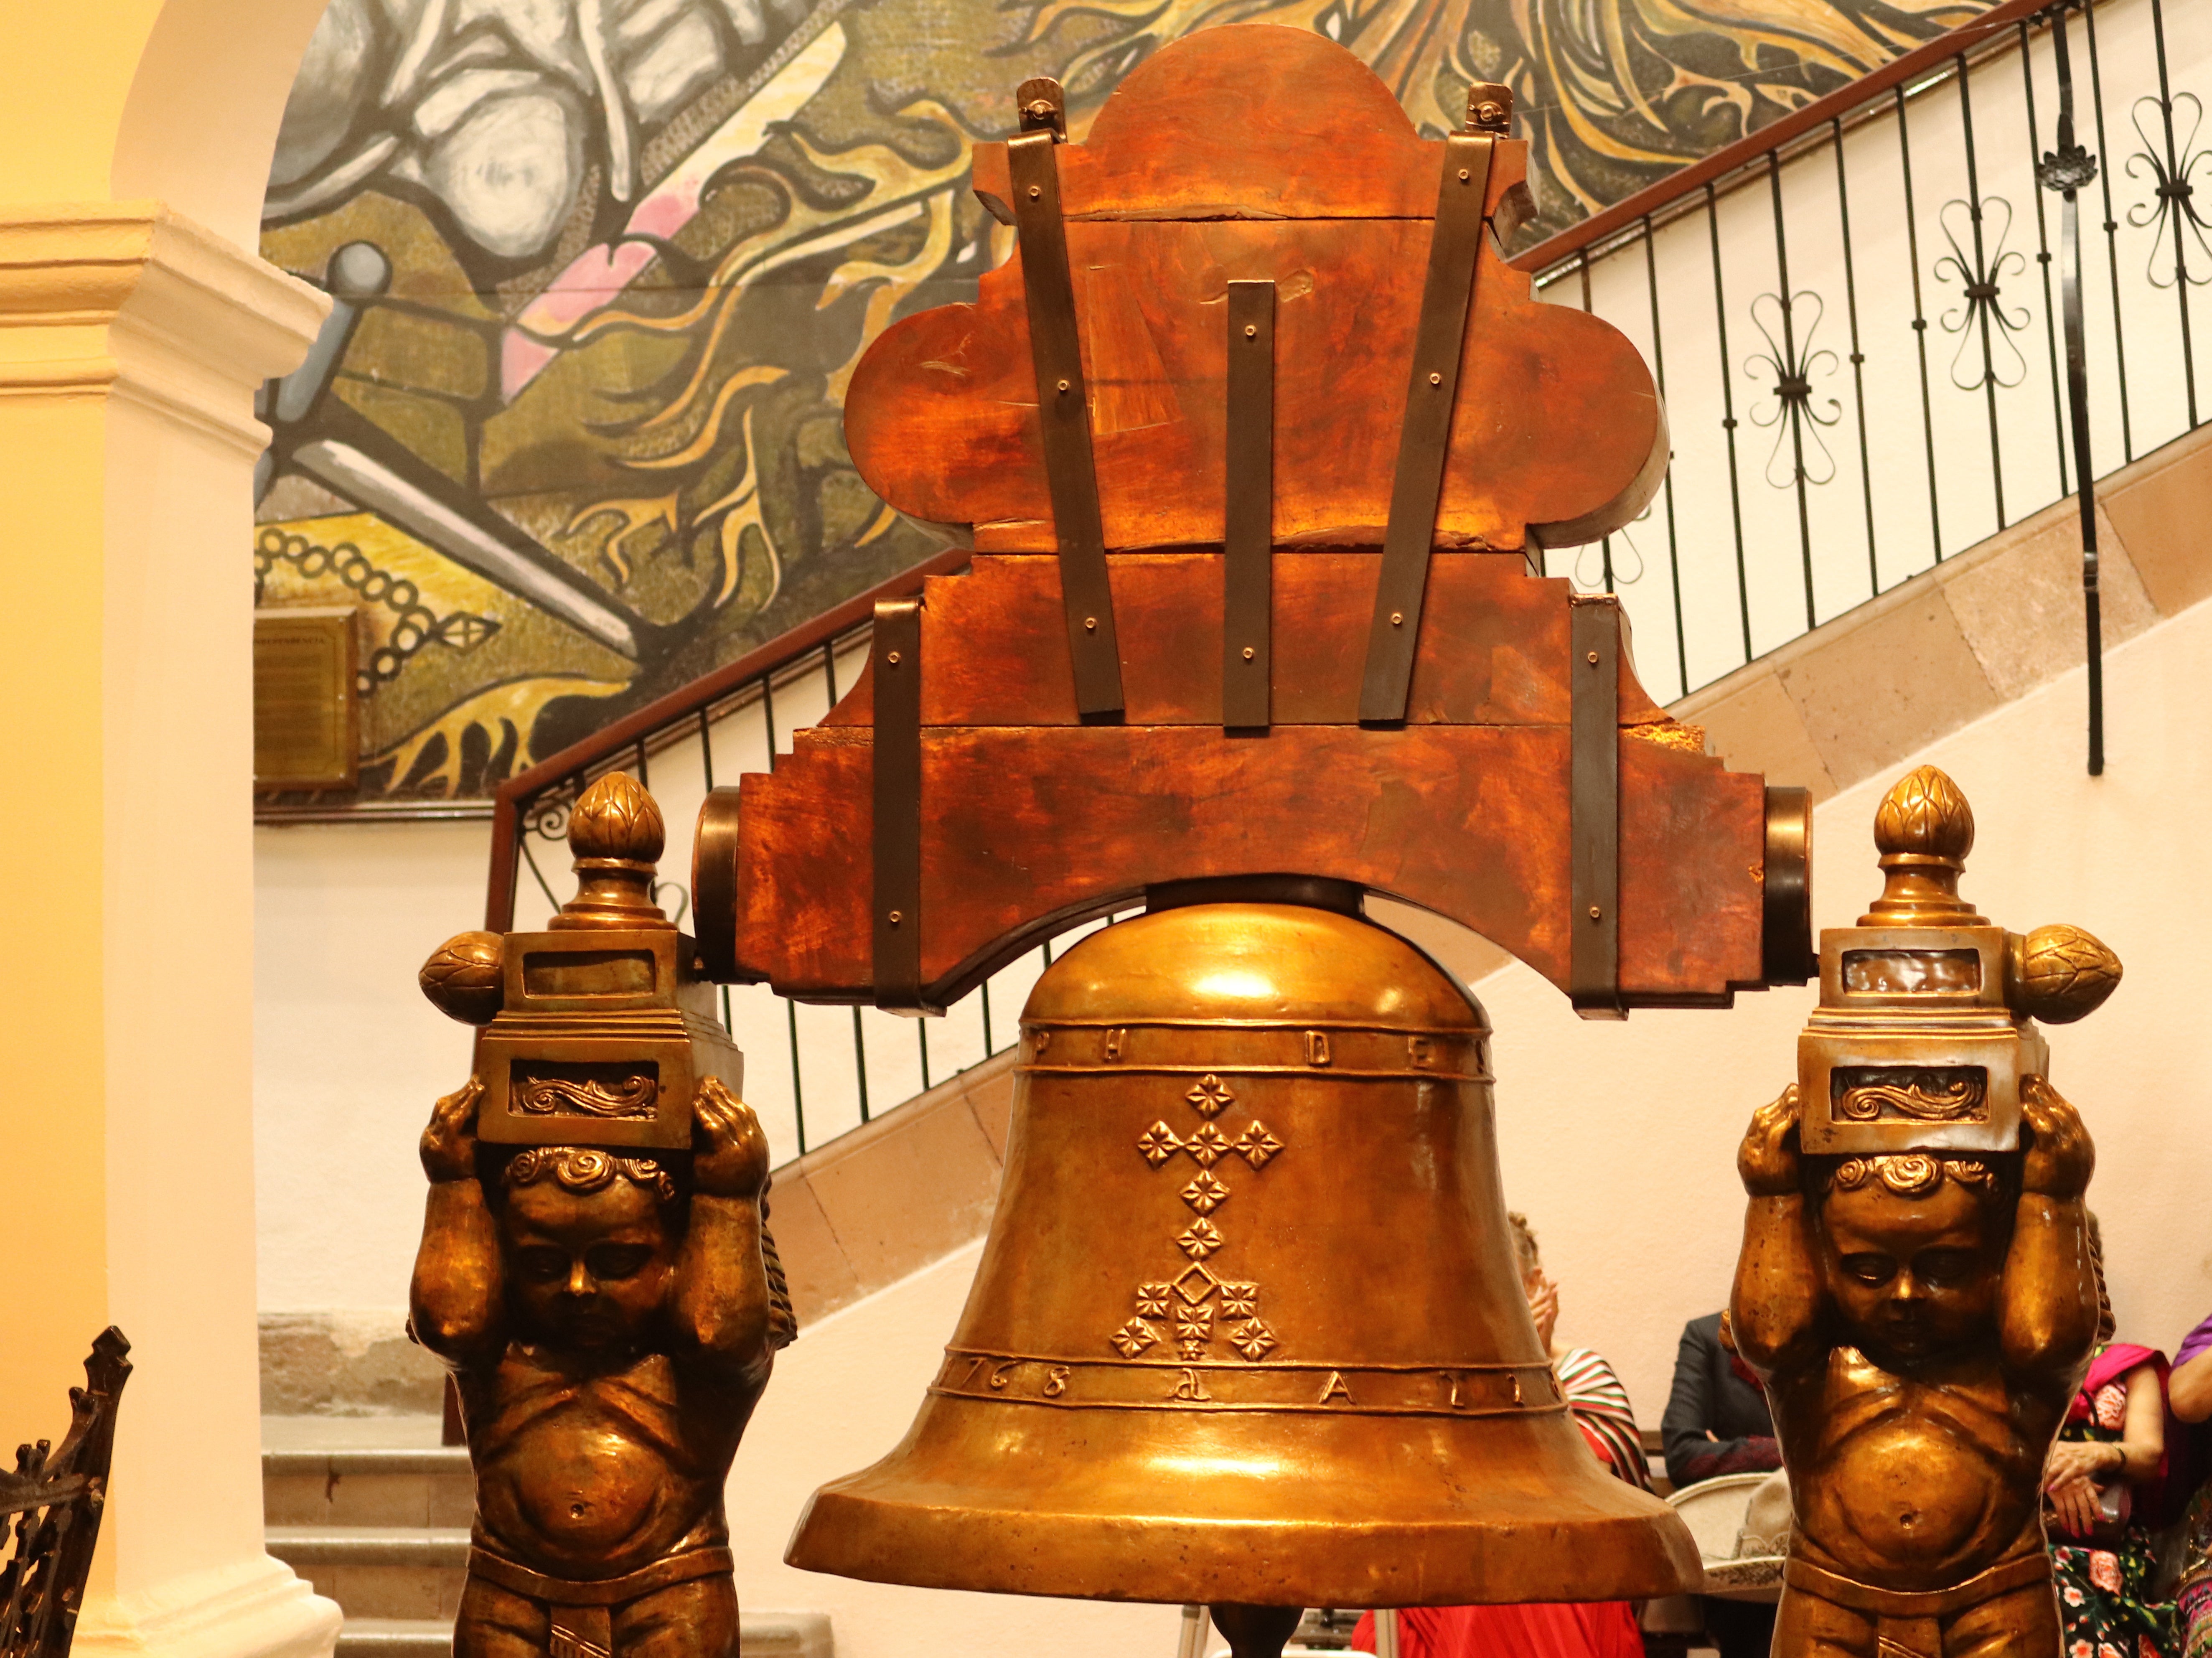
(597, 1029)
(1927, 1022)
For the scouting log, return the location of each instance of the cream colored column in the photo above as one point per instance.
(130, 343)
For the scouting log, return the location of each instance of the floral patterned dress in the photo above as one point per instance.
(2104, 1609)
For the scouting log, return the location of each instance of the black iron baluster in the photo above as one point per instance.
(1858, 357)
(2173, 205)
(921, 1034)
(797, 1097)
(989, 1046)
(860, 1040)
(1984, 278)
(1673, 550)
(530, 858)
(1604, 543)
(1728, 417)
(2043, 259)
(2112, 227)
(1919, 328)
(1793, 386)
(2065, 169)
(861, 1063)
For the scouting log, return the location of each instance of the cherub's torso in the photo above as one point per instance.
(588, 1473)
(1923, 1480)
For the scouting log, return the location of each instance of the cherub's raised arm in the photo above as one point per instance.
(2047, 1317)
(457, 1301)
(1777, 1300)
(721, 1305)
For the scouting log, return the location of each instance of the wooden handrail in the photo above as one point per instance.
(681, 703)
(1922, 59)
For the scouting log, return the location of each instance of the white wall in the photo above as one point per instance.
(347, 1054)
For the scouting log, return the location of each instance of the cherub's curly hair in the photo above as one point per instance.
(1915, 1174)
(580, 1169)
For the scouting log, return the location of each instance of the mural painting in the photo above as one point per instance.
(603, 268)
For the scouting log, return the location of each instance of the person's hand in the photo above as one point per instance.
(1767, 1160)
(449, 1144)
(1543, 1308)
(2079, 1458)
(2074, 1507)
(2059, 1156)
(729, 1152)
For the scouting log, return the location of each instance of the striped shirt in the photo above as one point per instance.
(1601, 1409)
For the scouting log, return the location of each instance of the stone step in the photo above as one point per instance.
(379, 1572)
(395, 1637)
(418, 1486)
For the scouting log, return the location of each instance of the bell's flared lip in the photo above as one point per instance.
(1465, 1559)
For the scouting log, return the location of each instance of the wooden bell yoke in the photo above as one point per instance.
(1255, 516)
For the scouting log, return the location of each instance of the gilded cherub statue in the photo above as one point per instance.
(596, 1269)
(1916, 1289)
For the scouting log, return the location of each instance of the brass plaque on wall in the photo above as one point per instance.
(306, 711)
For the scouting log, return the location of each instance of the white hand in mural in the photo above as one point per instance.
(498, 109)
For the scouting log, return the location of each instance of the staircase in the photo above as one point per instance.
(374, 1513)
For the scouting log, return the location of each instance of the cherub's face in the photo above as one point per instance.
(1912, 1276)
(589, 1269)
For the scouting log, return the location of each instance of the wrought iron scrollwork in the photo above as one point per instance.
(2172, 203)
(1980, 272)
(1614, 562)
(1792, 361)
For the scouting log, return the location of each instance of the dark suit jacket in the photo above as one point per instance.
(1711, 1395)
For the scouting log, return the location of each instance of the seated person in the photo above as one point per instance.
(1718, 1423)
(2104, 1482)
(2189, 1398)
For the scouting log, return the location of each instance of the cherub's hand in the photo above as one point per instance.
(449, 1144)
(1767, 1160)
(2059, 1156)
(729, 1153)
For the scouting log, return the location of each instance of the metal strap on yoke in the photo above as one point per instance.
(1431, 392)
(1063, 403)
(1593, 827)
(1249, 504)
(895, 664)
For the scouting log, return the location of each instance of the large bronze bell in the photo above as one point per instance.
(1248, 1327)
